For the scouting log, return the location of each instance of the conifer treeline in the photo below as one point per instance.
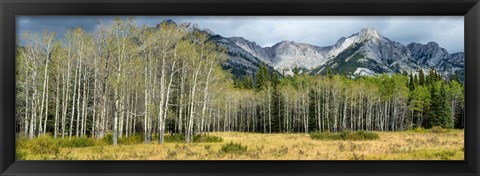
(123, 79)
(336, 102)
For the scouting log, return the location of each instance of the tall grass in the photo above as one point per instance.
(45, 146)
(196, 139)
(176, 138)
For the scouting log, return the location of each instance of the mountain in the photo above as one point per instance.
(364, 53)
(286, 54)
(239, 62)
(371, 53)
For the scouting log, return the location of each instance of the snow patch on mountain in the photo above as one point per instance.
(364, 72)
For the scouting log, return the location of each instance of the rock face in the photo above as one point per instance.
(286, 54)
(364, 53)
(240, 61)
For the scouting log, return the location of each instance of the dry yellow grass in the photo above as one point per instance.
(405, 145)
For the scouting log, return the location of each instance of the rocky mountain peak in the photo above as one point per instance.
(433, 44)
(366, 52)
(369, 32)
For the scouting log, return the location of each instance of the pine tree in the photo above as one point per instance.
(439, 111)
(329, 73)
(411, 82)
(261, 78)
(421, 78)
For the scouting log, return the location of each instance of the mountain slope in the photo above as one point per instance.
(364, 53)
(375, 54)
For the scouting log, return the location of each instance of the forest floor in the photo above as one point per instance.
(405, 145)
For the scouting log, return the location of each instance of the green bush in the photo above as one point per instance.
(444, 155)
(438, 129)
(362, 135)
(233, 148)
(419, 130)
(21, 142)
(43, 145)
(180, 138)
(77, 142)
(108, 138)
(345, 135)
(207, 139)
(177, 138)
(325, 136)
(131, 140)
(21, 154)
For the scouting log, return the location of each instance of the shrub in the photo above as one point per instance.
(43, 145)
(21, 142)
(180, 138)
(108, 138)
(174, 138)
(177, 138)
(325, 136)
(21, 154)
(444, 155)
(77, 142)
(363, 135)
(419, 130)
(130, 140)
(233, 148)
(345, 135)
(207, 139)
(438, 129)
(21, 150)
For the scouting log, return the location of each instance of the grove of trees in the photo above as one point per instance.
(126, 80)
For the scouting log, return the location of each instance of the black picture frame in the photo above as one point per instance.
(470, 9)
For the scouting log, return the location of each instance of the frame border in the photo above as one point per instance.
(470, 9)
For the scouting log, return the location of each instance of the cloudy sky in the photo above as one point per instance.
(448, 31)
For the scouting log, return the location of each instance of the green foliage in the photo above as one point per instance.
(421, 77)
(326, 136)
(179, 138)
(438, 129)
(21, 154)
(21, 147)
(43, 145)
(76, 142)
(233, 148)
(262, 77)
(345, 135)
(207, 139)
(439, 112)
(108, 138)
(444, 155)
(419, 130)
(131, 140)
(362, 135)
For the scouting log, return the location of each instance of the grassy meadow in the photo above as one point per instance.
(405, 145)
